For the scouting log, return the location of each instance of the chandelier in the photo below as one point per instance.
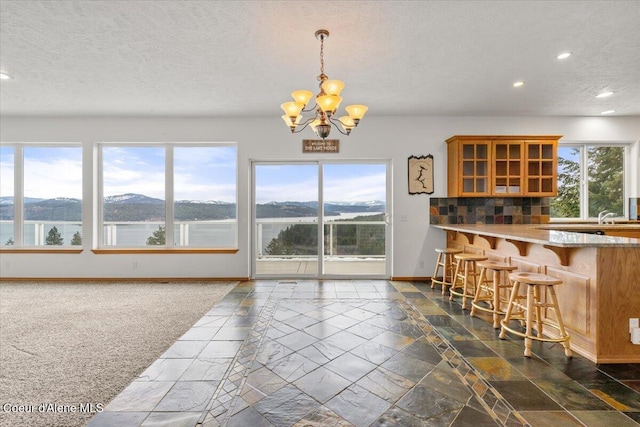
(327, 102)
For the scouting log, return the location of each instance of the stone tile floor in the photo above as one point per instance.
(310, 353)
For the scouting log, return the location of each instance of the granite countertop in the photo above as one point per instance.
(551, 234)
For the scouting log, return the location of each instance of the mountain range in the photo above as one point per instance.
(138, 207)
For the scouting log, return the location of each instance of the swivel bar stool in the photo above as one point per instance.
(531, 312)
(490, 290)
(445, 260)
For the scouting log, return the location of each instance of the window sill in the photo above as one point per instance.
(40, 251)
(115, 251)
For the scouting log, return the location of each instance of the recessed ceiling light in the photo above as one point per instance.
(564, 55)
(604, 94)
(608, 112)
(518, 84)
(4, 76)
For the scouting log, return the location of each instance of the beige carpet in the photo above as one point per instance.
(72, 343)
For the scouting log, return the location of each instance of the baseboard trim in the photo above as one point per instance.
(411, 279)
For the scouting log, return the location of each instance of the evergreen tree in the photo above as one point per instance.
(76, 240)
(9, 242)
(605, 166)
(158, 238)
(54, 237)
(567, 203)
(606, 180)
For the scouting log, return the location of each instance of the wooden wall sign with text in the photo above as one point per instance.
(320, 146)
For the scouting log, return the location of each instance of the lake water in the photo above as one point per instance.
(221, 234)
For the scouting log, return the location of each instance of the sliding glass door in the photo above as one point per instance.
(349, 200)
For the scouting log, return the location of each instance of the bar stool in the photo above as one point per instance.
(531, 311)
(445, 260)
(491, 290)
(466, 272)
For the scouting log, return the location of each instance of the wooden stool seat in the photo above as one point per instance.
(466, 277)
(537, 286)
(445, 260)
(490, 291)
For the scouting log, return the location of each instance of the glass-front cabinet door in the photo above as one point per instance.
(507, 161)
(541, 168)
(475, 168)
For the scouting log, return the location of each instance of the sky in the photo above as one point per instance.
(200, 173)
(342, 182)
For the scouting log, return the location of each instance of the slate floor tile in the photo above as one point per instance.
(425, 402)
(358, 406)
(286, 406)
(604, 418)
(322, 384)
(345, 340)
(248, 417)
(374, 352)
(321, 330)
(120, 419)
(292, 367)
(184, 350)
(525, 396)
(393, 340)
(206, 369)
(140, 396)
(165, 370)
(189, 396)
(323, 417)
(386, 384)
(171, 419)
(281, 349)
(350, 366)
(220, 349)
(297, 340)
(407, 366)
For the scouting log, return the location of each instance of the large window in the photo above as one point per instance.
(43, 207)
(590, 181)
(169, 195)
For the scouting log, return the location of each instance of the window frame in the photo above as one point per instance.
(99, 245)
(18, 197)
(583, 157)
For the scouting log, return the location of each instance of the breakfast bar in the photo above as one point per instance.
(600, 268)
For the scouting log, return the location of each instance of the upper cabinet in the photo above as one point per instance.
(502, 165)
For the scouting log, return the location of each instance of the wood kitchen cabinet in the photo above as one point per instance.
(502, 165)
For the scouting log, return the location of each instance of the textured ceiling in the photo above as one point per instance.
(243, 58)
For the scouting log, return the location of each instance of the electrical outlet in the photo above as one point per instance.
(135, 265)
(633, 323)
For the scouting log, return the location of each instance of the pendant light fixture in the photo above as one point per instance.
(326, 105)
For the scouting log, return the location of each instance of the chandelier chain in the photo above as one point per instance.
(321, 55)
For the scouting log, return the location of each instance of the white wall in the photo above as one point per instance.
(393, 138)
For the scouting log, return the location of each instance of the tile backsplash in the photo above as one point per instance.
(493, 210)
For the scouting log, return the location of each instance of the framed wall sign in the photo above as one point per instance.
(421, 174)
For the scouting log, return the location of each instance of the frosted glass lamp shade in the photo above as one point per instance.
(329, 103)
(347, 123)
(292, 109)
(287, 120)
(302, 96)
(356, 112)
(332, 87)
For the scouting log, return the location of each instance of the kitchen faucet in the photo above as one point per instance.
(602, 216)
